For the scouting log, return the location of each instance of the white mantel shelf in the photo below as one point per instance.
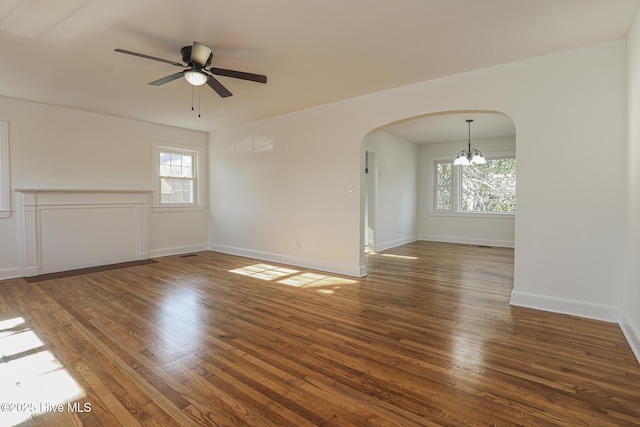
(77, 190)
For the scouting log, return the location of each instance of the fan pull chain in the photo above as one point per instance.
(198, 103)
(191, 98)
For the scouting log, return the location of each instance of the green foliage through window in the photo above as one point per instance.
(489, 187)
(444, 185)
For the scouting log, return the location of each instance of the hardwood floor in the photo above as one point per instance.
(428, 338)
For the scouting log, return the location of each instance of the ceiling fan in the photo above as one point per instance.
(196, 59)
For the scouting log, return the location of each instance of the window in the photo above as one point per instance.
(5, 196)
(178, 180)
(490, 187)
(444, 185)
(485, 188)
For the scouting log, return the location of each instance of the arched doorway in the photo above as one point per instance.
(401, 199)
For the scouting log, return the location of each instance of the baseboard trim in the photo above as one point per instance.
(607, 313)
(394, 243)
(329, 267)
(468, 240)
(632, 336)
(363, 271)
(178, 250)
(9, 273)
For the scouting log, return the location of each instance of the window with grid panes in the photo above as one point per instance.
(477, 188)
(444, 186)
(177, 178)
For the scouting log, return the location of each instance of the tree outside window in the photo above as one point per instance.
(490, 187)
(477, 188)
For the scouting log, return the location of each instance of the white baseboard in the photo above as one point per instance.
(632, 336)
(178, 250)
(468, 240)
(363, 271)
(9, 273)
(337, 268)
(394, 243)
(607, 313)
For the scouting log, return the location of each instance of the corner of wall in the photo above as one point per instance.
(632, 336)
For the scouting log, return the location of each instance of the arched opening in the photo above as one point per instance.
(412, 191)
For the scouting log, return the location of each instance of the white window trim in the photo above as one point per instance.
(199, 193)
(455, 191)
(5, 187)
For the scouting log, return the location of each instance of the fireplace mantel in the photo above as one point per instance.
(67, 229)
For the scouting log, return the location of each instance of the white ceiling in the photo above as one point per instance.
(437, 128)
(314, 52)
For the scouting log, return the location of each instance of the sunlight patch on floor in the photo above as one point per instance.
(308, 280)
(32, 380)
(400, 256)
(264, 271)
(327, 283)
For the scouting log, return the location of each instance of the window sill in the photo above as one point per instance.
(490, 215)
(161, 209)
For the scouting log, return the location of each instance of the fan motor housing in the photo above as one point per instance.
(186, 54)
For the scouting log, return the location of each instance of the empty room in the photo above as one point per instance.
(320, 213)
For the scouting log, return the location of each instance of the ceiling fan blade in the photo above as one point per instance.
(201, 54)
(259, 78)
(167, 79)
(218, 87)
(141, 55)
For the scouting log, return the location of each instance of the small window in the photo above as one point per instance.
(444, 186)
(177, 178)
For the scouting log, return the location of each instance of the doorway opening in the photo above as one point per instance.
(400, 201)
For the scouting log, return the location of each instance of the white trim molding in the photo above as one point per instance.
(9, 273)
(632, 336)
(199, 179)
(5, 193)
(468, 241)
(177, 250)
(607, 313)
(395, 243)
(329, 267)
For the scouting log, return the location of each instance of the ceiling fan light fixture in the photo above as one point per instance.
(195, 77)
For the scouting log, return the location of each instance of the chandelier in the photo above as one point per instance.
(468, 156)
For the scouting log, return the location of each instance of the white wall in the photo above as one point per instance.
(630, 306)
(396, 166)
(570, 220)
(287, 201)
(491, 230)
(58, 148)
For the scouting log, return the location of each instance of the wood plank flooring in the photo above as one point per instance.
(428, 338)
